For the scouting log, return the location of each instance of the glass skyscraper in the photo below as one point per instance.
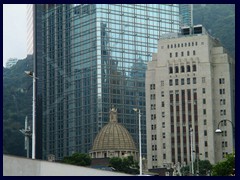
(93, 58)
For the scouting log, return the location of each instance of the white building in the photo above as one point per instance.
(189, 84)
(11, 62)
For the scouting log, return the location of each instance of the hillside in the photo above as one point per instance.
(17, 103)
(219, 20)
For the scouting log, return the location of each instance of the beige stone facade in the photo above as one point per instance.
(189, 84)
(113, 140)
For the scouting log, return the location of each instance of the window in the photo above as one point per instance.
(204, 112)
(152, 86)
(182, 69)
(204, 101)
(221, 81)
(182, 81)
(176, 69)
(152, 96)
(154, 137)
(206, 154)
(162, 103)
(170, 70)
(194, 52)
(194, 80)
(153, 116)
(222, 101)
(182, 54)
(162, 93)
(163, 134)
(176, 82)
(170, 82)
(205, 144)
(188, 54)
(163, 124)
(164, 156)
(170, 55)
(195, 43)
(205, 132)
(176, 54)
(204, 122)
(162, 83)
(188, 68)
(188, 80)
(223, 112)
(153, 106)
(194, 68)
(163, 114)
(203, 90)
(222, 91)
(153, 126)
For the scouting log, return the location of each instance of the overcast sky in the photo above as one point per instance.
(14, 31)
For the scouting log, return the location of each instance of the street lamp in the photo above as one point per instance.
(191, 139)
(218, 130)
(32, 74)
(140, 141)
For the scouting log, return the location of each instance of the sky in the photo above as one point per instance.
(14, 31)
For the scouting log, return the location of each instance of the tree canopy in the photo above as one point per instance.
(225, 167)
(126, 165)
(78, 159)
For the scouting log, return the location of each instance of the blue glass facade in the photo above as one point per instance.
(94, 58)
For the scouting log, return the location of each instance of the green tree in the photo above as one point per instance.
(204, 167)
(225, 167)
(78, 159)
(126, 165)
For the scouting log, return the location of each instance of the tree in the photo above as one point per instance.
(225, 167)
(78, 159)
(204, 167)
(126, 165)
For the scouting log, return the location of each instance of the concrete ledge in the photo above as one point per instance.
(18, 166)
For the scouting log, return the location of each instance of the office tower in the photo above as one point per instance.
(186, 14)
(34, 47)
(94, 59)
(189, 87)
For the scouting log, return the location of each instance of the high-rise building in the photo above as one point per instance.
(186, 14)
(189, 88)
(35, 47)
(93, 58)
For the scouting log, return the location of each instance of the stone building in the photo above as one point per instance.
(113, 140)
(189, 86)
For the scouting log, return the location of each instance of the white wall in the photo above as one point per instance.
(17, 166)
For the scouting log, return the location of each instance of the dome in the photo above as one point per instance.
(113, 136)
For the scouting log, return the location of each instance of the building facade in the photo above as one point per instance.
(189, 87)
(93, 57)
